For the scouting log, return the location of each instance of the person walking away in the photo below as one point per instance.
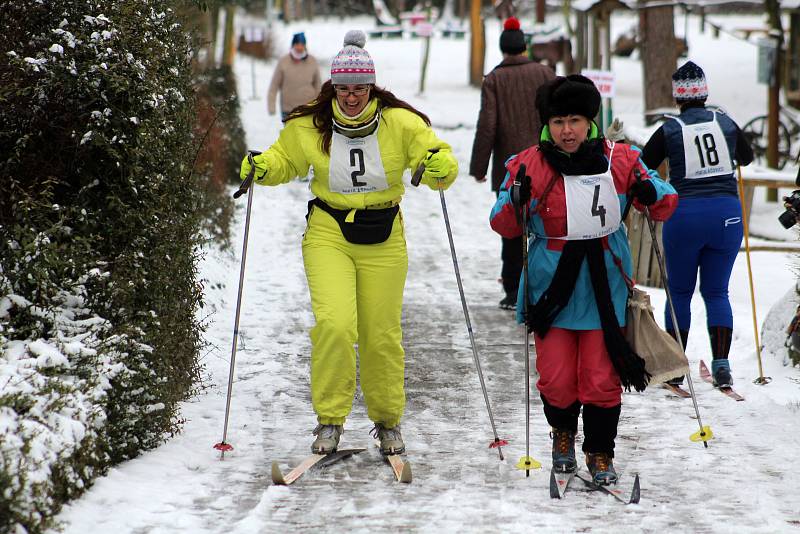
(296, 76)
(359, 138)
(575, 190)
(507, 124)
(705, 233)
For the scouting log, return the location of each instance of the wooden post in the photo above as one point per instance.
(772, 7)
(229, 43)
(580, 41)
(477, 44)
(426, 50)
(702, 10)
(286, 7)
(212, 45)
(540, 11)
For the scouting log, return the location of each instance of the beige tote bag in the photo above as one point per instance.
(662, 355)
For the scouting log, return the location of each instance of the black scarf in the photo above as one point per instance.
(628, 364)
(590, 158)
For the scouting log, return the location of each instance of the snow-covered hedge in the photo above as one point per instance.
(100, 220)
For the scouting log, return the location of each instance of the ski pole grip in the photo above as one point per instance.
(415, 179)
(515, 189)
(248, 181)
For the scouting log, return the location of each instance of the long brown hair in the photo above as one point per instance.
(322, 111)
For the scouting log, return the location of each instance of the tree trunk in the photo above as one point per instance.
(477, 44)
(658, 55)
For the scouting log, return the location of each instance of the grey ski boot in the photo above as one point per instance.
(601, 466)
(327, 438)
(390, 438)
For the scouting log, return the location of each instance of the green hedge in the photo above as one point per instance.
(101, 222)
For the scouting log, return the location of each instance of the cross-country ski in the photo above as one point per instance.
(314, 460)
(705, 374)
(617, 493)
(677, 391)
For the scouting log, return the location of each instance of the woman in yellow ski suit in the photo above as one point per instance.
(359, 139)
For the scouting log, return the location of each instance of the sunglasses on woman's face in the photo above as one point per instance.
(343, 90)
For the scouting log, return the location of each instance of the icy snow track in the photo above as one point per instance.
(744, 482)
(739, 483)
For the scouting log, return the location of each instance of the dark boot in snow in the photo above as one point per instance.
(721, 372)
(720, 337)
(327, 438)
(390, 438)
(564, 451)
(601, 466)
(678, 380)
(509, 302)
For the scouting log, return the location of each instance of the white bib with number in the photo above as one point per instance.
(592, 205)
(705, 149)
(356, 165)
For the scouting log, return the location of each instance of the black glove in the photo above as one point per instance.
(645, 192)
(523, 192)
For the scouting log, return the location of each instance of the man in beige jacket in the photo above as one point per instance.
(296, 76)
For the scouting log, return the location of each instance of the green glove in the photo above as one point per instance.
(261, 167)
(438, 165)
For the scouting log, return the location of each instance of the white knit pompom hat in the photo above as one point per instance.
(353, 65)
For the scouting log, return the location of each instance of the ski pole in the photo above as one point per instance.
(497, 443)
(705, 433)
(223, 446)
(761, 380)
(525, 463)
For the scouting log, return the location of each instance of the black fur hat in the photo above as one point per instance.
(571, 95)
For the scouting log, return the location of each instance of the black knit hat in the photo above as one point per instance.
(571, 95)
(512, 40)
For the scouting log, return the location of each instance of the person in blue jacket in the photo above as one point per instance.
(703, 147)
(576, 186)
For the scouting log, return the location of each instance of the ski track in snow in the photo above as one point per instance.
(744, 481)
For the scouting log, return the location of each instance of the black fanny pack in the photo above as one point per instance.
(369, 227)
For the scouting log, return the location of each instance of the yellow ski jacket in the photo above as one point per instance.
(403, 138)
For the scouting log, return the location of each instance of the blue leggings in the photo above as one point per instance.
(703, 234)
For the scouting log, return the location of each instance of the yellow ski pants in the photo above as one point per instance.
(357, 297)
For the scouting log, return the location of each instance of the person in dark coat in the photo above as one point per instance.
(507, 124)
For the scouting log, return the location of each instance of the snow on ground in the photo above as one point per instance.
(744, 481)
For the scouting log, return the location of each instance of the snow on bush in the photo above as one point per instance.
(100, 233)
(52, 393)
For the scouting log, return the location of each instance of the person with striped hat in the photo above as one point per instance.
(703, 147)
(359, 138)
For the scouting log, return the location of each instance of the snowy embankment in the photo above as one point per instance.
(739, 483)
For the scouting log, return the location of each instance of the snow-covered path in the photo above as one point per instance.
(743, 482)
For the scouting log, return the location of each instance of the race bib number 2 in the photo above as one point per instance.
(356, 165)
